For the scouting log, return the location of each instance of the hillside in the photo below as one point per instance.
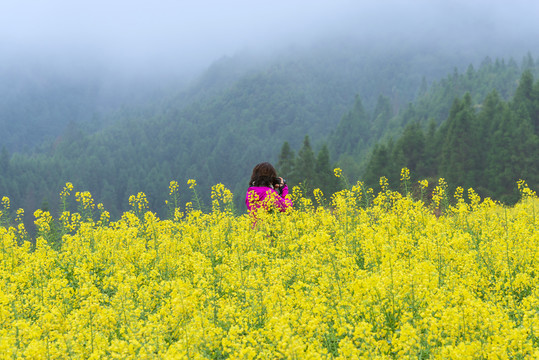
(40, 101)
(217, 134)
(490, 145)
(493, 147)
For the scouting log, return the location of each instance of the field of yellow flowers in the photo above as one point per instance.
(361, 274)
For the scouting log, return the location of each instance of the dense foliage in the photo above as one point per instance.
(384, 276)
(39, 102)
(35, 107)
(238, 114)
(360, 129)
(491, 144)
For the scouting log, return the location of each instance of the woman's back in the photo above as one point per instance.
(262, 192)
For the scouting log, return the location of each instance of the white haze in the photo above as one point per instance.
(182, 37)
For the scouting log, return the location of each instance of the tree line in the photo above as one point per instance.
(476, 129)
(307, 170)
(220, 139)
(488, 146)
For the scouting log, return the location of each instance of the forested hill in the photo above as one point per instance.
(39, 102)
(359, 129)
(232, 123)
(477, 128)
(488, 146)
(36, 106)
(224, 131)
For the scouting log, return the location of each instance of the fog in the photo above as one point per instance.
(182, 37)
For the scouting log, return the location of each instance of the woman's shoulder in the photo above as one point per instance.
(259, 188)
(261, 191)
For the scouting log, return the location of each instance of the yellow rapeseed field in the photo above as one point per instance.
(361, 274)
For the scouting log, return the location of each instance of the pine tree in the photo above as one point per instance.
(380, 164)
(525, 153)
(535, 107)
(286, 164)
(459, 150)
(412, 146)
(305, 164)
(489, 120)
(352, 132)
(499, 167)
(382, 114)
(430, 160)
(4, 160)
(325, 178)
(524, 92)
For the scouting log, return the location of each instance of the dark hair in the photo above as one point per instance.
(263, 175)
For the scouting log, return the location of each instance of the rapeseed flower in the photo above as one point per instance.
(370, 275)
(173, 187)
(424, 184)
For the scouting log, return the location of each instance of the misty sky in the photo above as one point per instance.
(185, 35)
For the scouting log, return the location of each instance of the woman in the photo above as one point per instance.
(267, 190)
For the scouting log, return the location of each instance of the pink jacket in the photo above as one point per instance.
(258, 195)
